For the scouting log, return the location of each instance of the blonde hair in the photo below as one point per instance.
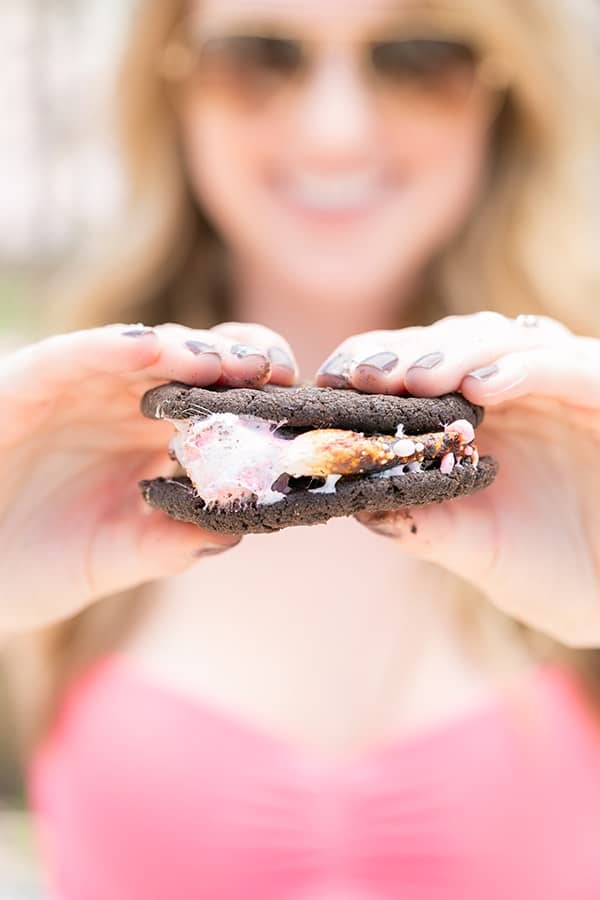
(529, 247)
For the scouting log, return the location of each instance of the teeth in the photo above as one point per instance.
(336, 192)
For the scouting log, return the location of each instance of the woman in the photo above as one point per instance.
(325, 713)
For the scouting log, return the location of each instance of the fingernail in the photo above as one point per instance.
(528, 321)
(213, 549)
(335, 372)
(279, 357)
(243, 350)
(484, 373)
(389, 524)
(198, 347)
(386, 530)
(140, 331)
(384, 361)
(429, 361)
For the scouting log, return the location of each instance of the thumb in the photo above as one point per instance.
(459, 535)
(147, 546)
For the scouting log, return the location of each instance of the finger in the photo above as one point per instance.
(102, 538)
(368, 361)
(42, 368)
(377, 361)
(165, 353)
(459, 535)
(219, 356)
(143, 544)
(121, 557)
(451, 350)
(428, 361)
(151, 546)
(571, 375)
(245, 365)
(209, 357)
(284, 368)
(186, 354)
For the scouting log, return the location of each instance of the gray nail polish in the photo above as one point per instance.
(198, 347)
(138, 332)
(383, 361)
(335, 372)
(243, 350)
(484, 373)
(385, 530)
(528, 321)
(389, 524)
(213, 549)
(279, 357)
(429, 361)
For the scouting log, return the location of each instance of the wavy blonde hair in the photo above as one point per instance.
(530, 246)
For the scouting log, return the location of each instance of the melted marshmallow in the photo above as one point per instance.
(231, 457)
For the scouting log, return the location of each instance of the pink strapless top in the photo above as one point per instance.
(144, 794)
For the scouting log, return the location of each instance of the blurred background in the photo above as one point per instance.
(60, 183)
(60, 189)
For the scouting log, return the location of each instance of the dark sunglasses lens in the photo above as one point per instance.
(430, 63)
(251, 63)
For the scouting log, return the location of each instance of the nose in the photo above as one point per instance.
(337, 116)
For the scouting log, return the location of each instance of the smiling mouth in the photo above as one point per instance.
(335, 194)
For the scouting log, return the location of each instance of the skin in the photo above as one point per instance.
(541, 389)
(242, 162)
(73, 445)
(545, 393)
(73, 449)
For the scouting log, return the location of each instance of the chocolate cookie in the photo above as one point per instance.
(312, 407)
(262, 460)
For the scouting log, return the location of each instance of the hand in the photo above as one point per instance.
(73, 446)
(530, 542)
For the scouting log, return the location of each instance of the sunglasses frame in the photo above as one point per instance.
(179, 57)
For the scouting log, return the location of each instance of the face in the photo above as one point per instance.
(343, 174)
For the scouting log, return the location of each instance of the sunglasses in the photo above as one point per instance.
(254, 69)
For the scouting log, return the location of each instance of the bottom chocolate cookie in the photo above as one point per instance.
(178, 498)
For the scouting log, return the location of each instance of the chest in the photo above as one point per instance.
(326, 635)
(183, 802)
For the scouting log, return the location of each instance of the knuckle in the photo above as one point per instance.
(246, 332)
(55, 346)
(376, 335)
(448, 321)
(234, 327)
(578, 639)
(490, 317)
(171, 326)
(578, 631)
(550, 320)
(268, 336)
(559, 327)
(359, 344)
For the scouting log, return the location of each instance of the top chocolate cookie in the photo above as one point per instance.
(313, 407)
